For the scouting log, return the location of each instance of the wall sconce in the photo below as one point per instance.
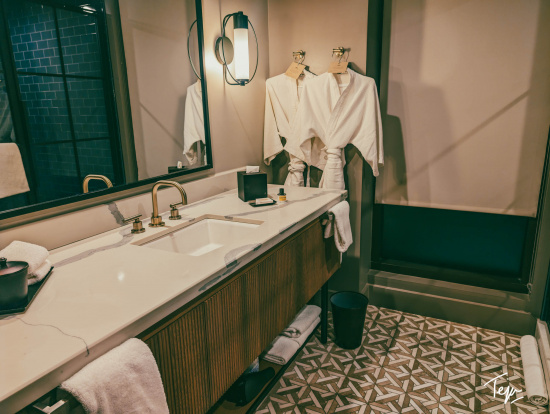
(226, 51)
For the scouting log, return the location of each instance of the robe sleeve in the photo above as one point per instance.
(369, 141)
(272, 139)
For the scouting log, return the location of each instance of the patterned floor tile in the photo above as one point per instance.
(406, 364)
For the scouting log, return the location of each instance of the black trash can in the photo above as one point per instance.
(348, 314)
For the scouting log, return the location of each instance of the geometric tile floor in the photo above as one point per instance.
(406, 364)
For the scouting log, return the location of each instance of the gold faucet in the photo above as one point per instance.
(156, 219)
(91, 177)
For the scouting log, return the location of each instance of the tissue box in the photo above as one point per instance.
(252, 185)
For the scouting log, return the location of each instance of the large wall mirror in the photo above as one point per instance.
(106, 88)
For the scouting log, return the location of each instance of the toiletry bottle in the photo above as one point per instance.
(282, 195)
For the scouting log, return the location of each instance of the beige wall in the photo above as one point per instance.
(317, 28)
(468, 105)
(236, 112)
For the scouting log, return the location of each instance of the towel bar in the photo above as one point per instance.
(56, 401)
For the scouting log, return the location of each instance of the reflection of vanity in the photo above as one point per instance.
(190, 309)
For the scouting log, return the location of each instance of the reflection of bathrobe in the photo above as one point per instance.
(282, 99)
(12, 173)
(193, 123)
(340, 115)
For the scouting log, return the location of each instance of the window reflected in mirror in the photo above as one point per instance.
(104, 88)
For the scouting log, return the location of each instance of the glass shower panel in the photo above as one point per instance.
(56, 171)
(6, 124)
(46, 107)
(88, 108)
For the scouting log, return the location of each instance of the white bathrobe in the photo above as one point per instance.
(339, 115)
(193, 123)
(282, 99)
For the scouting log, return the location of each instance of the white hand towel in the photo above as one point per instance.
(124, 380)
(302, 322)
(39, 273)
(339, 226)
(33, 254)
(535, 385)
(13, 179)
(283, 348)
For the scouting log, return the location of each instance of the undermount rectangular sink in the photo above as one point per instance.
(203, 235)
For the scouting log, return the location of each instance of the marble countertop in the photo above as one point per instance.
(106, 289)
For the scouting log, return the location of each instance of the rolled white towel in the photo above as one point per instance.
(535, 385)
(283, 348)
(339, 225)
(124, 380)
(39, 273)
(302, 322)
(33, 254)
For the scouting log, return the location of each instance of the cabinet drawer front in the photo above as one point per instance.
(233, 331)
(182, 360)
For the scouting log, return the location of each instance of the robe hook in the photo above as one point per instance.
(339, 53)
(299, 56)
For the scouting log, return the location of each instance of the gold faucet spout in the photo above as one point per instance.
(156, 220)
(91, 177)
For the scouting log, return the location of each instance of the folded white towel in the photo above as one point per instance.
(535, 385)
(283, 348)
(33, 254)
(339, 225)
(39, 273)
(124, 380)
(302, 322)
(12, 173)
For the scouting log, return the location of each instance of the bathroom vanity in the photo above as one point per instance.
(207, 293)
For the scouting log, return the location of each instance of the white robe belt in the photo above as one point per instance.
(333, 175)
(296, 168)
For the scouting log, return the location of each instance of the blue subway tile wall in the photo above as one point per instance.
(88, 108)
(54, 113)
(33, 37)
(80, 43)
(46, 106)
(95, 158)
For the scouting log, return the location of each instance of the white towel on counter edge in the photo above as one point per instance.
(124, 380)
(13, 179)
(339, 225)
(535, 384)
(302, 322)
(33, 254)
(39, 273)
(282, 349)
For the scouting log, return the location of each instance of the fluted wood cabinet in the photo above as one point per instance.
(204, 347)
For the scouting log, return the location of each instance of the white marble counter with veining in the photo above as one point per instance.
(107, 289)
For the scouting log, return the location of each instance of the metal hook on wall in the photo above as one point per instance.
(339, 53)
(299, 56)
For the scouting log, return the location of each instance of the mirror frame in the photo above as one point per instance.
(33, 208)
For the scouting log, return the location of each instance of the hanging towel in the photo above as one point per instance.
(39, 273)
(535, 385)
(124, 380)
(283, 348)
(302, 322)
(33, 254)
(193, 123)
(12, 173)
(339, 225)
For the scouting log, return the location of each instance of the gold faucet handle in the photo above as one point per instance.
(137, 225)
(174, 213)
